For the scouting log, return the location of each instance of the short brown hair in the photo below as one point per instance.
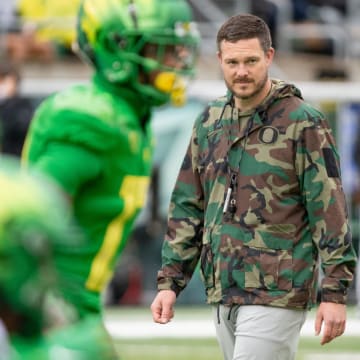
(244, 26)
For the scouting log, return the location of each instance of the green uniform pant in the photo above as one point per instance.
(254, 332)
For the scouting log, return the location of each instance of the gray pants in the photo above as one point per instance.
(255, 332)
(4, 343)
(357, 286)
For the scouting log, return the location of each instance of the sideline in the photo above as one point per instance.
(126, 328)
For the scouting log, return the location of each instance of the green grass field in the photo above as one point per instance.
(344, 348)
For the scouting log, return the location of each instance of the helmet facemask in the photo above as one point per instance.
(128, 53)
(165, 70)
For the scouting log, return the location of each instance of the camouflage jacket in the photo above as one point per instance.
(287, 207)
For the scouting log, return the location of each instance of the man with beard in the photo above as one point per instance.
(259, 204)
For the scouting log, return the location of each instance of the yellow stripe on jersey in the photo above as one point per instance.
(133, 190)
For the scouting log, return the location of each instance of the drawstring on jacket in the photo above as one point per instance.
(229, 313)
(230, 310)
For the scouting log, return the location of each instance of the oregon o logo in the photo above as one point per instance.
(268, 135)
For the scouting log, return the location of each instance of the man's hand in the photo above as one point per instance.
(162, 306)
(334, 318)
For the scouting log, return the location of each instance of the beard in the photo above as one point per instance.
(258, 87)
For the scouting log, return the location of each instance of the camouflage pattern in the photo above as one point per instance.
(287, 207)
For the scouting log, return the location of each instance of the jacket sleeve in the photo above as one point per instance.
(182, 244)
(324, 198)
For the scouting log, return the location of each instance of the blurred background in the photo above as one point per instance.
(317, 47)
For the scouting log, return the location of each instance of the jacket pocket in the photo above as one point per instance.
(262, 268)
(207, 266)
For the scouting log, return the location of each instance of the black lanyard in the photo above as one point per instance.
(230, 201)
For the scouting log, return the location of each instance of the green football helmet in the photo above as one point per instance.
(34, 221)
(113, 35)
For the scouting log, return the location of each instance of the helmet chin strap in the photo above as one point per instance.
(167, 82)
(172, 84)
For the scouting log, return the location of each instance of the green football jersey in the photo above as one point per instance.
(96, 143)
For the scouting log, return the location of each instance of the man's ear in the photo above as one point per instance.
(270, 55)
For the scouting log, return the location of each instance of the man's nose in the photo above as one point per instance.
(242, 70)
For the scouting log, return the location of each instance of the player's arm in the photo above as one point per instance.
(69, 165)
